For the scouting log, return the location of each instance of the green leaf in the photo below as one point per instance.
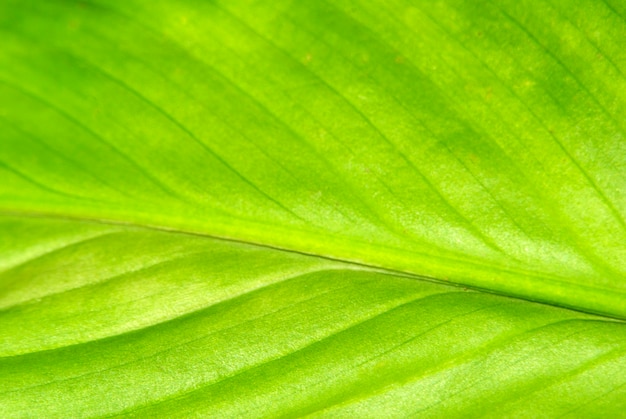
(350, 208)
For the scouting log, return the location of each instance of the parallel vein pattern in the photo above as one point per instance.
(243, 208)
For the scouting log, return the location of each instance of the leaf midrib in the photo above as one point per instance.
(353, 262)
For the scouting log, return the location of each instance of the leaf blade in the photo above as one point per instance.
(349, 150)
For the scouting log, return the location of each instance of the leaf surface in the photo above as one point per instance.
(253, 208)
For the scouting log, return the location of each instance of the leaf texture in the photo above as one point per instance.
(251, 208)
